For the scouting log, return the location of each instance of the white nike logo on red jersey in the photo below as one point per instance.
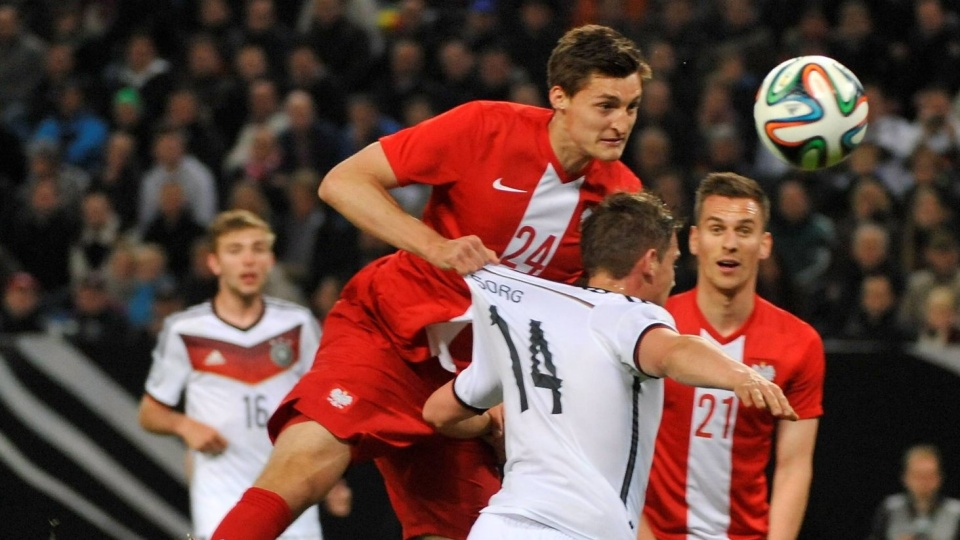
(498, 185)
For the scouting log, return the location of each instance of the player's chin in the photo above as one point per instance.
(608, 150)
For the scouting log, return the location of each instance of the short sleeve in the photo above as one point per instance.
(805, 388)
(309, 342)
(415, 153)
(478, 386)
(170, 367)
(623, 325)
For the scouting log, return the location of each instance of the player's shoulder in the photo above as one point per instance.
(285, 306)
(781, 321)
(189, 315)
(895, 502)
(683, 305)
(497, 113)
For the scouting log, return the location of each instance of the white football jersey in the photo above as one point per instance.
(581, 418)
(233, 380)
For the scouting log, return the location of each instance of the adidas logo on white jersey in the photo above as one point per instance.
(215, 358)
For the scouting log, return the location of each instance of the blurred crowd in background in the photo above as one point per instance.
(126, 125)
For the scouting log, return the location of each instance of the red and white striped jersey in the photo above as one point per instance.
(708, 476)
(494, 175)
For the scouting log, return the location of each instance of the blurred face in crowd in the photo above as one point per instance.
(182, 108)
(45, 198)
(877, 296)
(729, 240)
(597, 120)
(96, 210)
(203, 59)
(794, 203)
(456, 60)
(91, 299)
(168, 150)
(140, 53)
(251, 62)
(869, 247)
(263, 100)
(300, 110)
(9, 23)
(242, 261)
(171, 201)
(260, 15)
(921, 476)
(21, 299)
(59, 61)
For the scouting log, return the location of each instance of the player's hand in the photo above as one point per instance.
(495, 437)
(465, 255)
(202, 438)
(763, 394)
(339, 501)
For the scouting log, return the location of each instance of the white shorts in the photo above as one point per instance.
(512, 527)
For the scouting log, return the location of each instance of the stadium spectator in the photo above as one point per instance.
(80, 133)
(20, 310)
(173, 164)
(942, 268)
(874, 317)
(173, 228)
(308, 141)
(144, 70)
(119, 179)
(99, 232)
(922, 511)
(21, 69)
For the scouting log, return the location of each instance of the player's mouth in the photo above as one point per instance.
(612, 141)
(728, 266)
(249, 278)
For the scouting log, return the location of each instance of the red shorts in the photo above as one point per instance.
(365, 394)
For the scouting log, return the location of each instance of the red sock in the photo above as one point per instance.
(260, 515)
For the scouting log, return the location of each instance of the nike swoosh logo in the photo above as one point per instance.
(498, 185)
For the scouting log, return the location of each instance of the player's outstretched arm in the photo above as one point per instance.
(448, 416)
(695, 361)
(357, 188)
(157, 417)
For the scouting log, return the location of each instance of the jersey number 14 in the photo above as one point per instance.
(538, 349)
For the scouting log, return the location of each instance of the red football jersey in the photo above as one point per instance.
(708, 474)
(494, 175)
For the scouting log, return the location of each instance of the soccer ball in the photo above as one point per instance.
(811, 112)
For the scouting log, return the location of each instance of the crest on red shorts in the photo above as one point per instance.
(340, 398)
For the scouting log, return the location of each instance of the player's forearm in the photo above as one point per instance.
(694, 361)
(445, 413)
(475, 426)
(788, 503)
(360, 196)
(156, 417)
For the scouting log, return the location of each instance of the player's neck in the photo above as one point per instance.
(726, 311)
(571, 158)
(238, 310)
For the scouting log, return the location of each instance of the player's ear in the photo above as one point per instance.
(559, 99)
(693, 242)
(213, 263)
(647, 264)
(766, 245)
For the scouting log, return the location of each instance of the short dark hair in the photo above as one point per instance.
(593, 49)
(734, 186)
(622, 228)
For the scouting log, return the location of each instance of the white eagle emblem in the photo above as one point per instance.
(340, 398)
(765, 370)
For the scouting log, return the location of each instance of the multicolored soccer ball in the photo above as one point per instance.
(811, 112)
